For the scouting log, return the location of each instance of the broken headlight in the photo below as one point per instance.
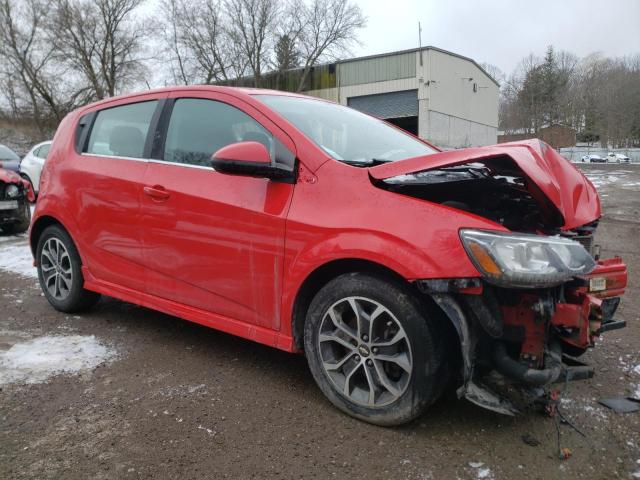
(12, 191)
(527, 261)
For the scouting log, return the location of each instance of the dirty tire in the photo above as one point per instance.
(23, 226)
(77, 298)
(424, 382)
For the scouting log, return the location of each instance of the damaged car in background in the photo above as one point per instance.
(15, 195)
(396, 268)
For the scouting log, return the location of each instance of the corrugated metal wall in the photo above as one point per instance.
(379, 69)
(387, 105)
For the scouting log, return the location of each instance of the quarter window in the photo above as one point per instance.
(43, 151)
(198, 128)
(121, 131)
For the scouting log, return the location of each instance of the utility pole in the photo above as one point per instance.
(420, 41)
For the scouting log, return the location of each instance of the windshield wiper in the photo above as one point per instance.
(366, 163)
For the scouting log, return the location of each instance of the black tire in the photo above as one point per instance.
(77, 298)
(23, 226)
(424, 381)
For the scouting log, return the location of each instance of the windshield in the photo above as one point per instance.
(8, 154)
(346, 134)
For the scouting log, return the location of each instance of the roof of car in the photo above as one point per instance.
(237, 91)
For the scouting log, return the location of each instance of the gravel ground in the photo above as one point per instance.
(131, 393)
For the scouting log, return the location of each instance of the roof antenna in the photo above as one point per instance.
(420, 41)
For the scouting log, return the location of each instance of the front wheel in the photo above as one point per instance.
(60, 272)
(371, 350)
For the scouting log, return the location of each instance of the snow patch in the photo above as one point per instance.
(36, 360)
(481, 472)
(18, 259)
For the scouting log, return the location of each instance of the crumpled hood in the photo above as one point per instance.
(7, 176)
(559, 181)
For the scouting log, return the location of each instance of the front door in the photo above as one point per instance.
(210, 240)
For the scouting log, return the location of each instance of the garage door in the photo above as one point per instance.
(387, 105)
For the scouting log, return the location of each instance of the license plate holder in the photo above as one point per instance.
(597, 284)
(9, 205)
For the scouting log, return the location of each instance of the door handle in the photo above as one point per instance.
(157, 192)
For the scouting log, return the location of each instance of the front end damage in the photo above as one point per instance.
(543, 295)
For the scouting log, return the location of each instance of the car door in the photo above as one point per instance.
(106, 181)
(215, 241)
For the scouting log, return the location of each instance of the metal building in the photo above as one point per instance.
(443, 97)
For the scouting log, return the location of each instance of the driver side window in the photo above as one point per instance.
(199, 127)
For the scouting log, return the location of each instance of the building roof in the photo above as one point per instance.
(411, 50)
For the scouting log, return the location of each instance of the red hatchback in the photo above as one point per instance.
(305, 225)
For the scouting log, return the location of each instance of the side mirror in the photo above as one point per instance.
(252, 160)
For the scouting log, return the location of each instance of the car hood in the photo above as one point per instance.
(13, 165)
(553, 177)
(8, 176)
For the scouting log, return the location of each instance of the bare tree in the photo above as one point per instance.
(99, 41)
(327, 28)
(200, 45)
(27, 58)
(252, 26)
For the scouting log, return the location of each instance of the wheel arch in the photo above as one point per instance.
(39, 226)
(322, 275)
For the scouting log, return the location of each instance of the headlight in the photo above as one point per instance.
(12, 191)
(521, 260)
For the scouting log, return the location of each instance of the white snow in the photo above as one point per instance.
(36, 360)
(482, 472)
(18, 259)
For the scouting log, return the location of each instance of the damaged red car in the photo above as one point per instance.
(301, 224)
(15, 195)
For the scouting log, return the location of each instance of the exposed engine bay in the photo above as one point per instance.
(523, 329)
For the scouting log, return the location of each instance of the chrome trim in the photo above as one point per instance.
(177, 164)
(116, 157)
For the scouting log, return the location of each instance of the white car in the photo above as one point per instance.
(594, 159)
(32, 164)
(617, 158)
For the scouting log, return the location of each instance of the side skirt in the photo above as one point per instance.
(218, 322)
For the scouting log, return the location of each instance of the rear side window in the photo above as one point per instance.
(121, 131)
(43, 151)
(198, 128)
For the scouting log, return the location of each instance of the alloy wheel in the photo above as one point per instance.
(365, 351)
(55, 264)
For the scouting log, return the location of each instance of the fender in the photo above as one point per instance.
(61, 214)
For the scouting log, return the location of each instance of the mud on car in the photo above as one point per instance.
(15, 195)
(396, 268)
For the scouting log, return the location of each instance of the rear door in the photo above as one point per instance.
(106, 181)
(215, 241)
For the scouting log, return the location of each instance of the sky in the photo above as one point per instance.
(502, 32)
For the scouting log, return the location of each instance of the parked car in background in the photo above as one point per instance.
(311, 227)
(15, 195)
(32, 164)
(594, 159)
(618, 158)
(9, 160)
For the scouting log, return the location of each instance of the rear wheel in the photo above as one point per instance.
(371, 350)
(60, 272)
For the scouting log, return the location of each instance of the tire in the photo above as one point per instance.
(23, 226)
(398, 314)
(65, 293)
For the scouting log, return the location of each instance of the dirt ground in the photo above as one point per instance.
(176, 400)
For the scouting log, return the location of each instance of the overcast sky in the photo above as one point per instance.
(502, 32)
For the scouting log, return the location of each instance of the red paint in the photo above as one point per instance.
(9, 176)
(231, 252)
(252, 152)
(579, 317)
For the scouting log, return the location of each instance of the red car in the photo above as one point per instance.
(15, 195)
(310, 227)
